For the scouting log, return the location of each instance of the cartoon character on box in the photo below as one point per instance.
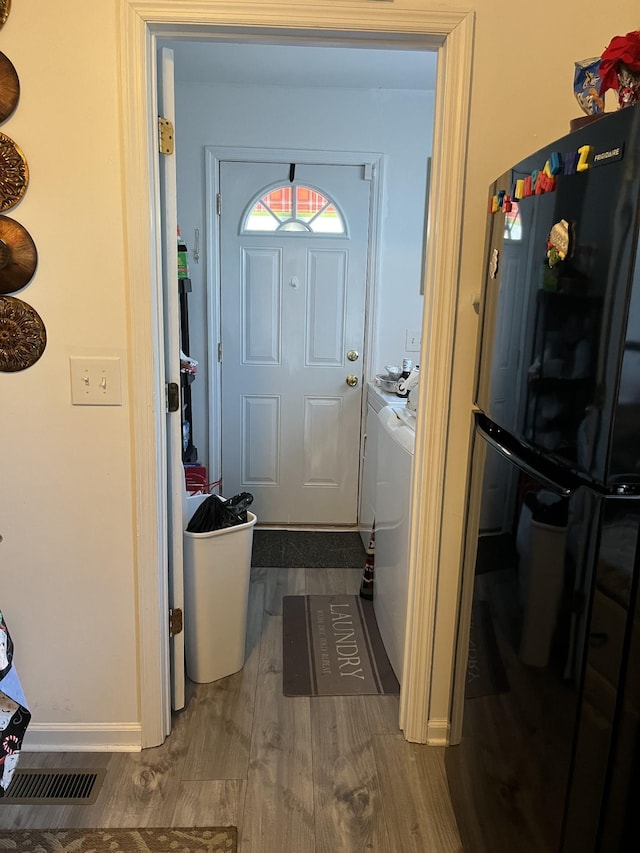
(10, 719)
(586, 86)
(14, 718)
(6, 648)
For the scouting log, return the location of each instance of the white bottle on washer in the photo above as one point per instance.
(406, 373)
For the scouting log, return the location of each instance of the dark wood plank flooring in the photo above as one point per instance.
(296, 775)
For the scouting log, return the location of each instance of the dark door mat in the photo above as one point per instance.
(293, 549)
(206, 839)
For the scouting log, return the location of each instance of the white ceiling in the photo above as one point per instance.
(296, 65)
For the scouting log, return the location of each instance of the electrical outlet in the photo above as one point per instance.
(413, 340)
(95, 381)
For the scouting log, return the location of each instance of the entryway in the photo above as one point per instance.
(376, 23)
(293, 271)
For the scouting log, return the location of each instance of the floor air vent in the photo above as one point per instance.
(54, 787)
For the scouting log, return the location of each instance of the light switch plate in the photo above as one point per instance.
(413, 340)
(95, 381)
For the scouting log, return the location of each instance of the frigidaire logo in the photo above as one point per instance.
(609, 156)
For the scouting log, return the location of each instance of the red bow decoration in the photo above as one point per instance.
(621, 50)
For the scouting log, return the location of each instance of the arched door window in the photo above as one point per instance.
(294, 208)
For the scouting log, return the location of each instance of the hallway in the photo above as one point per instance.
(295, 775)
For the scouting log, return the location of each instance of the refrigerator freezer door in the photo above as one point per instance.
(559, 348)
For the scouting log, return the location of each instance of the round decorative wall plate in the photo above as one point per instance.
(14, 173)
(9, 87)
(23, 337)
(18, 255)
(5, 8)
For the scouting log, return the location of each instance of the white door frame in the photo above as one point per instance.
(141, 23)
(214, 155)
(171, 344)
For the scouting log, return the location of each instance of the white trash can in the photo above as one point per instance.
(217, 565)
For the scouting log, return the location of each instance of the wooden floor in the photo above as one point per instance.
(295, 775)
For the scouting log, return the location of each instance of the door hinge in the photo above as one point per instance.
(172, 396)
(218, 204)
(219, 351)
(367, 173)
(175, 622)
(165, 135)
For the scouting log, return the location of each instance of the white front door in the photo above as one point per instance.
(292, 317)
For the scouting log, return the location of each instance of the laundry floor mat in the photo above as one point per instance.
(332, 647)
(211, 839)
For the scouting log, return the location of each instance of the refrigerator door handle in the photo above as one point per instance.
(522, 463)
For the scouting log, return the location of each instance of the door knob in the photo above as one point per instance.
(352, 380)
(353, 355)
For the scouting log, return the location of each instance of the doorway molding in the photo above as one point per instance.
(141, 23)
(214, 155)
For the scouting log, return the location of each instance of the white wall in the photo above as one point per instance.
(68, 577)
(398, 124)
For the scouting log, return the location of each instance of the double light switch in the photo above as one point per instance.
(95, 381)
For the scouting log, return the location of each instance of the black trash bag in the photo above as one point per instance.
(215, 513)
(236, 508)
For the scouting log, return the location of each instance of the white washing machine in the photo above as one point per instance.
(376, 400)
(396, 444)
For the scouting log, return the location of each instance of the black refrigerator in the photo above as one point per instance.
(547, 686)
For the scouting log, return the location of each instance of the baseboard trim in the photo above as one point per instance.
(94, 737)
(438, 732)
